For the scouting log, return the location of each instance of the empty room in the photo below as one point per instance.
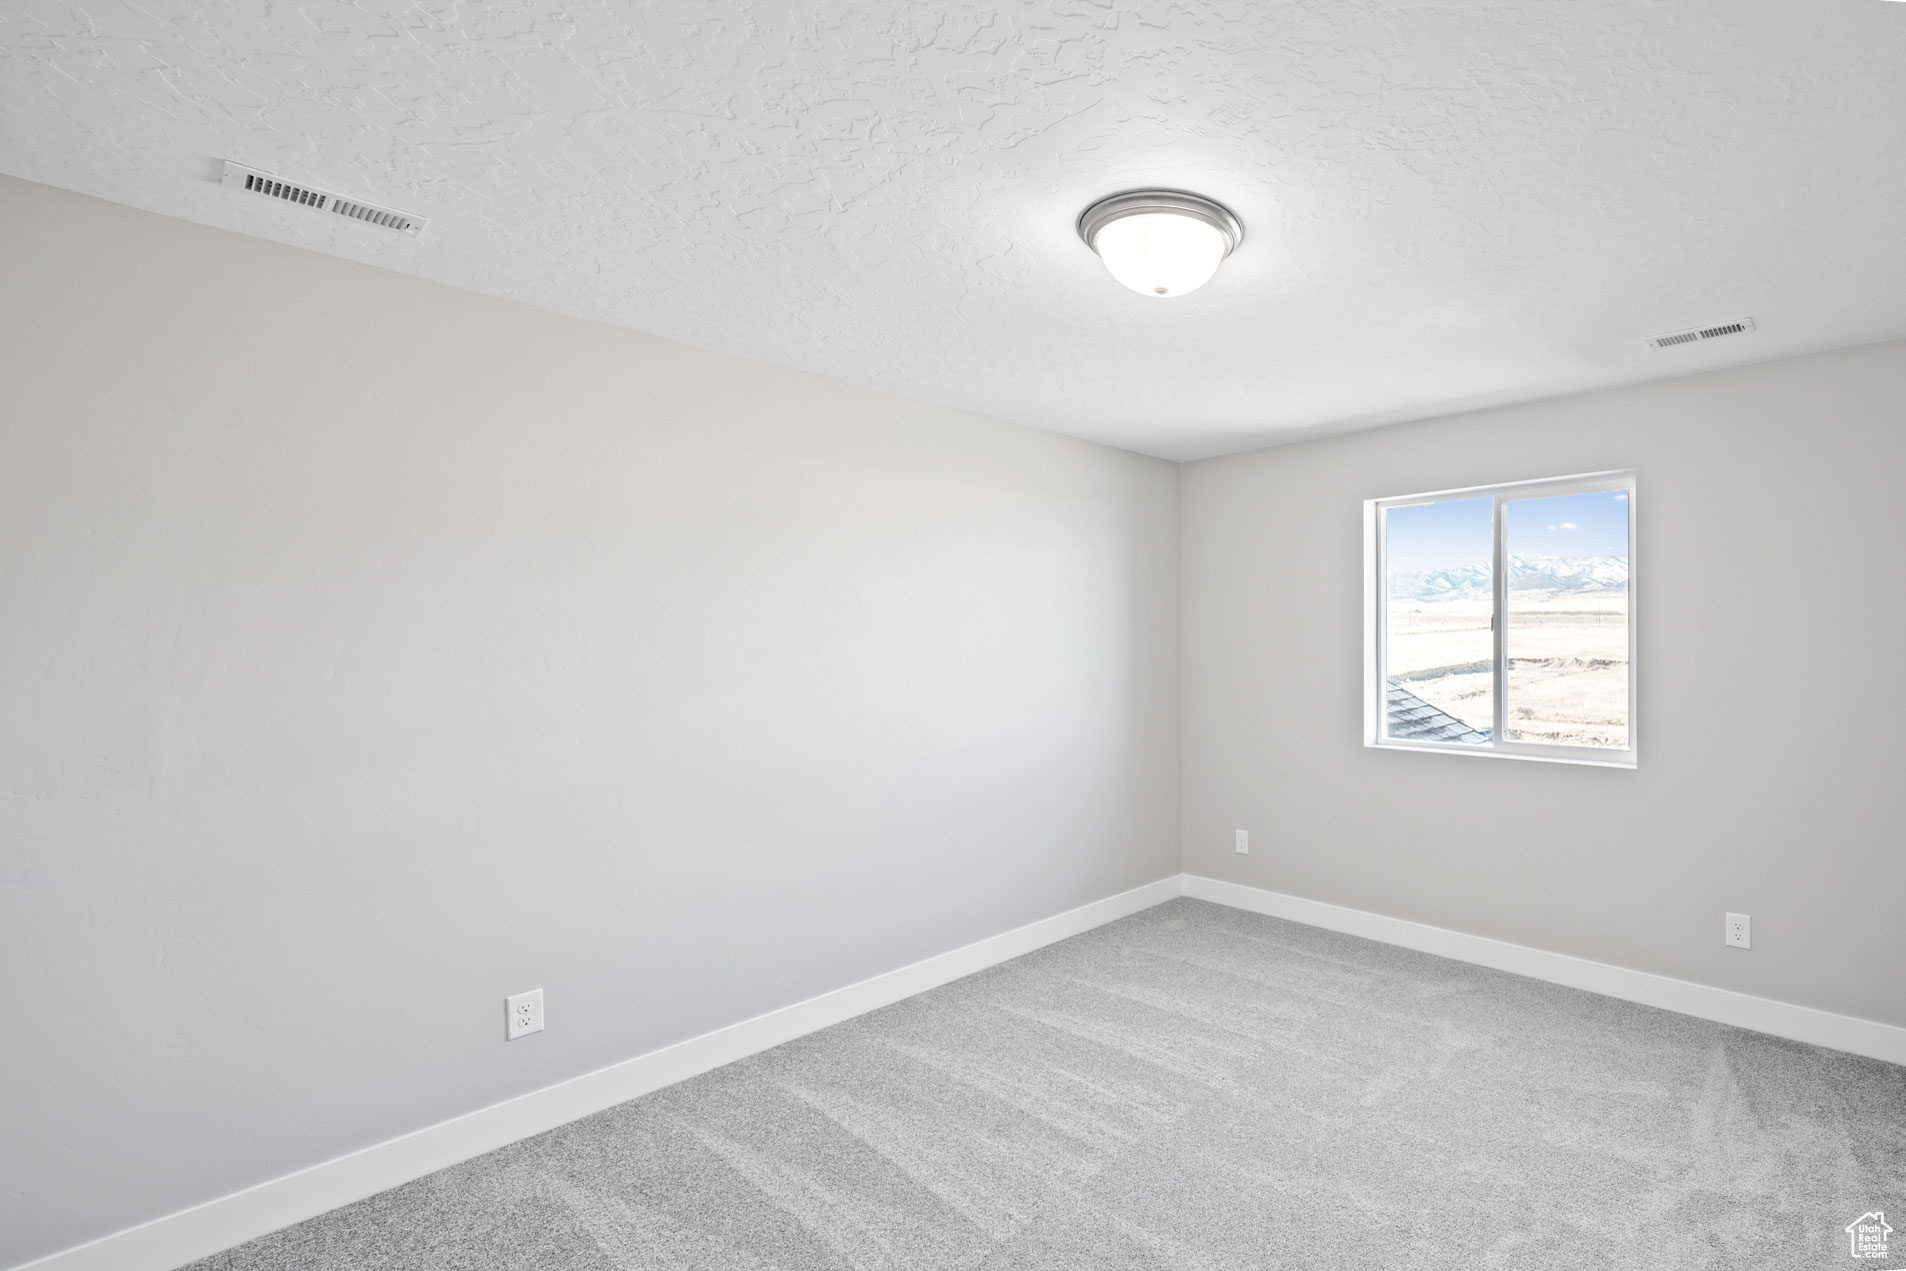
(735, 635)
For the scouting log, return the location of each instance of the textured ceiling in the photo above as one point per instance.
(1447, 203)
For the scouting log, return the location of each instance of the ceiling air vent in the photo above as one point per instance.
(239, 177)
(1698, 334)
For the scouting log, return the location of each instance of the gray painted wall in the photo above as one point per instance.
(371, 650)
(1772, 609)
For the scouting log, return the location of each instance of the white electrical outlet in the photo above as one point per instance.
(1244, 842)
(1739, 931)
(525, 1014)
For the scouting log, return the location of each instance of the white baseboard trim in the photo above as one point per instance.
(175, 1239)
(179, 1238)
(1724, 1006)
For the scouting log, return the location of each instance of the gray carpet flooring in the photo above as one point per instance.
(1191, 1087)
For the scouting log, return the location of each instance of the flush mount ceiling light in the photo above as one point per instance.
(1161, 242)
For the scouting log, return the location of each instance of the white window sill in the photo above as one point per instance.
(1615, 759)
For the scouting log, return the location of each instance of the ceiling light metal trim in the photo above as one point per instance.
(1177, 202)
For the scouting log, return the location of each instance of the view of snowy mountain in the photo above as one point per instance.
(1526, 573)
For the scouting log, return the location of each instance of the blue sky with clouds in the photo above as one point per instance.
(1456, 533)
(1569, 525)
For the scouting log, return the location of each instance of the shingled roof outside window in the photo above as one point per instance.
(1413, 719)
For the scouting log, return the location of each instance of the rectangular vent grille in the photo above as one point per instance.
(252, 181)
(1699, 334)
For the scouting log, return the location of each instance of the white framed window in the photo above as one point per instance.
(1500, 620)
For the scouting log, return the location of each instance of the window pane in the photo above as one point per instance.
(1568, 619)
(1439, 644)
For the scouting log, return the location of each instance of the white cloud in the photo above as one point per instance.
(1622, 497)
(1566, 525)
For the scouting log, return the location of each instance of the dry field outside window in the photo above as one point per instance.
(1568, 662)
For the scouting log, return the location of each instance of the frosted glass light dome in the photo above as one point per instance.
(1161, 242)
